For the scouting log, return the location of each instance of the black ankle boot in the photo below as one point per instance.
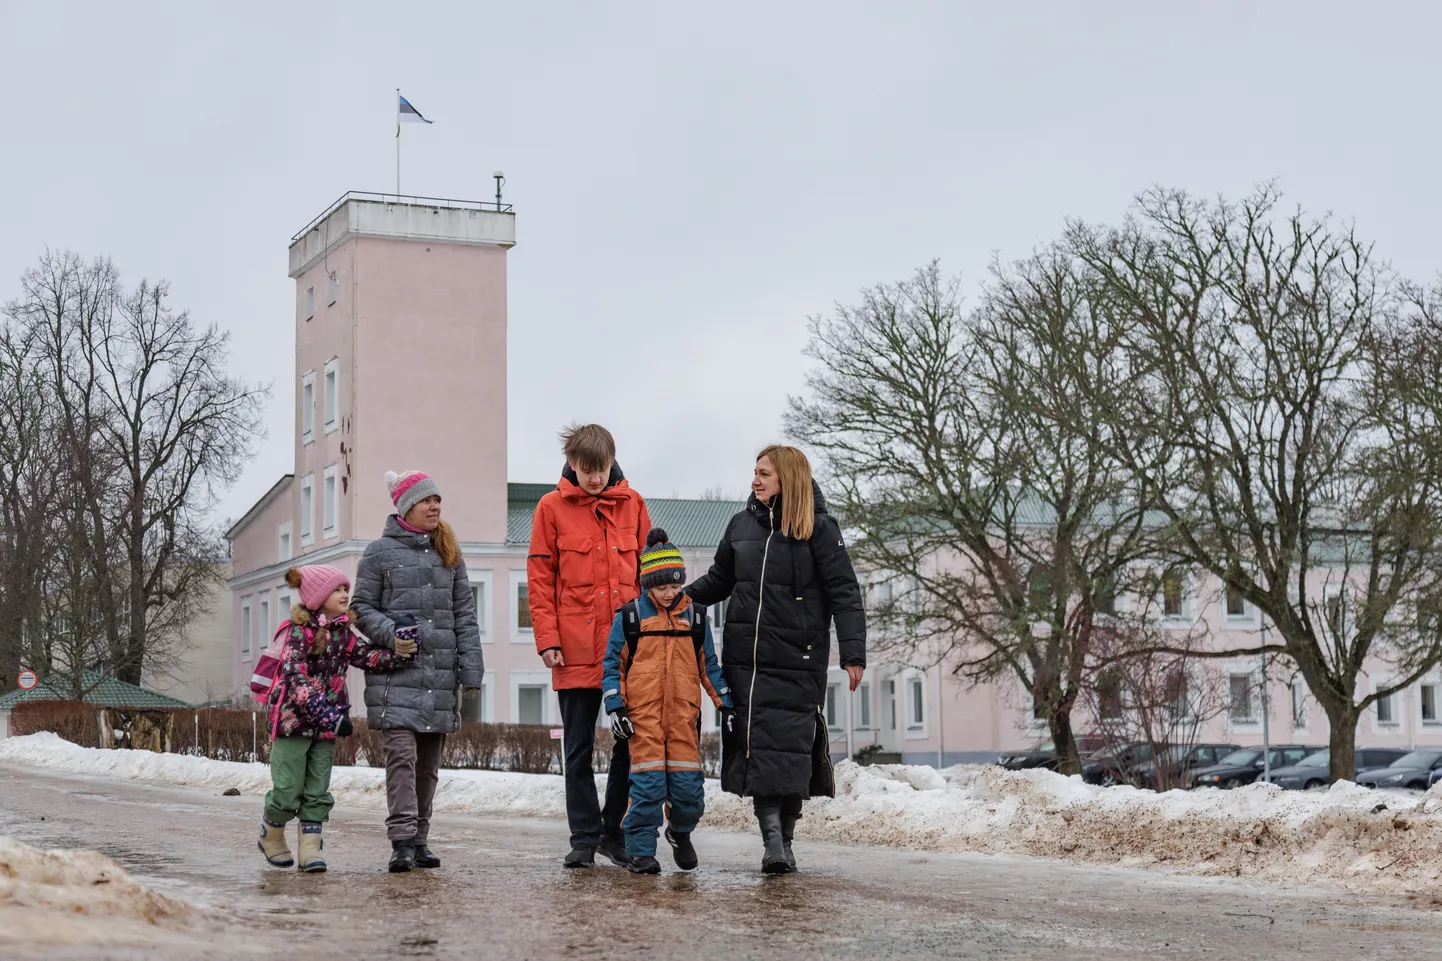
(403, 856)
(773, 858)
(425, 857)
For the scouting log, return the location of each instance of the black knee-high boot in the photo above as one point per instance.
(768, 816)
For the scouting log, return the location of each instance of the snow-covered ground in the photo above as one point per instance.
(1348, 835)
(75, 897)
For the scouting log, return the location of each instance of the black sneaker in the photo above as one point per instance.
(425, 857)
(645, 864)
(682, 850)
(613, 846)
(581, 856)
(403, 856)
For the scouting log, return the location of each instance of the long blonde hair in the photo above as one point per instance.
(443, 539)
(798, 503)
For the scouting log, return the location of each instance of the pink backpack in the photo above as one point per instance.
(267, 666)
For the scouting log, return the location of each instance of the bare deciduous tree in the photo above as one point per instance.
(1288, 422)
(964, 452)
(148, 426)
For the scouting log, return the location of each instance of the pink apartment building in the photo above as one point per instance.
(395, 295)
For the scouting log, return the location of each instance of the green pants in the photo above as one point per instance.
(300, 780)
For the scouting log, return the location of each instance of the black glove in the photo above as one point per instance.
(728, 720)
(345, 728)
(621, 725)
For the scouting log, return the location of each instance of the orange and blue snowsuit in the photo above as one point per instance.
(659, 683)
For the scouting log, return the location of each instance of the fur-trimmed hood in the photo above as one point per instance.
(300, 615)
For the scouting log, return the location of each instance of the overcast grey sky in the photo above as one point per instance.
(691, 181)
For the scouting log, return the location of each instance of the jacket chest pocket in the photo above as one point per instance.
(628, 565)
(575, 566)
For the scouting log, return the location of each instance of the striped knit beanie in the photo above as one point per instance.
(661, 561)
(409, 489)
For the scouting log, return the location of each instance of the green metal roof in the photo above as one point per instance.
(690, 523)
(105, 691)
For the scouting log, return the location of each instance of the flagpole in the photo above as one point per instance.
(398, 143)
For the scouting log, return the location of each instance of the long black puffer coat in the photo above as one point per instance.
(776, 646)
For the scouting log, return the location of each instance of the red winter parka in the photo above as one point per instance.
(584, 564)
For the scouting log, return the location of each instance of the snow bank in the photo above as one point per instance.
(74, 897)
(1349, 834)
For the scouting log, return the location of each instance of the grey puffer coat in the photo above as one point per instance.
(401, 574)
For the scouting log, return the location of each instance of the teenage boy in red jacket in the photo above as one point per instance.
(584, 564)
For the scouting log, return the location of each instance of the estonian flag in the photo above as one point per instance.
(405, 113)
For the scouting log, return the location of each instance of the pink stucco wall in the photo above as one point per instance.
(431, 343)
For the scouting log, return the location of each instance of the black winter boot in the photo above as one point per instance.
(403, 856)
(425, 857)
(788, 832)
(581, 856)
(773, 858)
(613, 846)
(682, 850)
(645, 864)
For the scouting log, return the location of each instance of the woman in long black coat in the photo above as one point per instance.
(784, 566)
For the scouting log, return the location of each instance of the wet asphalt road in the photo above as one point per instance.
(502, 894)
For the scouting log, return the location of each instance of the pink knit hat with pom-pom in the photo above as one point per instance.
(315, 583)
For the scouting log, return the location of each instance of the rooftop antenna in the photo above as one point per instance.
(500, 178)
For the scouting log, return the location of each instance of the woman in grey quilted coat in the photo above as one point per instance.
(413, 579)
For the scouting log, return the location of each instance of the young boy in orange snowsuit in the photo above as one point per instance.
(659, 657)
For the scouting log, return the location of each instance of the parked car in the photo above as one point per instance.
(1044, 754)
(1174, 766)
(1311, 772)
(1109, 768)
(1244, 765)
(1412, 770)
(1435, 779)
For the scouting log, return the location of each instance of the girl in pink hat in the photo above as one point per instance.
(309, 707)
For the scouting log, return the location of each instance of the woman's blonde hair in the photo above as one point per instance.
(798, 503)
(443, 539)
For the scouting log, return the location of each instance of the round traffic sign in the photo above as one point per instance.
(27, 680)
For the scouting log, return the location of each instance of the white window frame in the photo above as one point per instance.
(834, 725)
(330, 395)
(262, 617)
(308, 303)
(1436, 685)
(247, 629)
(1252, 671)
(307, 510)
(519, 634)
(330, 501)
(1331, 592)
(1300, 684)
(284, 542)
(862, 697)
(520, 679)
(912, 731)
(307, 407)
(1398, 723)
(483, 578)
(1249, 618)
(488, 702)
(1188, 617)
(332, 288)
(283, 603)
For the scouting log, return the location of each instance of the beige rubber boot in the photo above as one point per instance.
(272, 844)
(310, 846)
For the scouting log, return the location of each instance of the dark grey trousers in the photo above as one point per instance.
(413, 764)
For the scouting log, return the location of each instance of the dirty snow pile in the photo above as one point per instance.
(1348, 834)
(73, 896)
